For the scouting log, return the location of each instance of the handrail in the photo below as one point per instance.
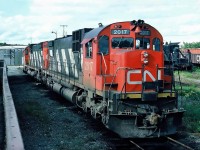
(172, 79)
(13, 135)
(142, 92)
(103, 61)
(119, 68)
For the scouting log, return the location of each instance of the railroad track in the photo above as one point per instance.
(138, 146)
(179, 143)
(175, 144)
(13, 139)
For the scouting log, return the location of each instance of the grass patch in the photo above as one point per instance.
(191, 102)
(191, 118)
(194, 74)
(188, 91)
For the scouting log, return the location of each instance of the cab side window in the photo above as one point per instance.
(26, 52)
(156, 44)
(104, 44)
(89, 49)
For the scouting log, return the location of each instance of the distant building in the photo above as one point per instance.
(12, 54)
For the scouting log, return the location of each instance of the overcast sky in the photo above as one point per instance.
(26, 21)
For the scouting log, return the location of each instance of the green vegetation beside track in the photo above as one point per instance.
(190, 98)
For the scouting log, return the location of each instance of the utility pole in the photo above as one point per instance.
(63, 29)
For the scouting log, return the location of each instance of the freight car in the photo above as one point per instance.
(195, 55)
(115, 72)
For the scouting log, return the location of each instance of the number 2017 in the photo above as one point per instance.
(120, 32)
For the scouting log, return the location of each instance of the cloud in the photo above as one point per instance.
(174, 19)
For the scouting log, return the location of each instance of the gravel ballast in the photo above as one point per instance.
(48, 121)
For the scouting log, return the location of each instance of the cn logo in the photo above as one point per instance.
(146, 73)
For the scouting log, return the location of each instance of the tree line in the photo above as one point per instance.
(190, 45)
(3, 44)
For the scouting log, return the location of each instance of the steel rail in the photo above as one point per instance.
(13, 135)
(177, 142)
(136, 145)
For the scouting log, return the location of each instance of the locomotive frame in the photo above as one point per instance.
(116, 72)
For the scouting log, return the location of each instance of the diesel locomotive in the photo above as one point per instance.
(181, 60)
(115, 72)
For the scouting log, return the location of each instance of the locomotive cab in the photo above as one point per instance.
(119, 58)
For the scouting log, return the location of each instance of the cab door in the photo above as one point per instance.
(27, 56)
(45, 53)
(89, 66)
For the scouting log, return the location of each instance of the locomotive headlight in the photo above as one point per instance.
(145, 54)
(145, 57)
(146, 61)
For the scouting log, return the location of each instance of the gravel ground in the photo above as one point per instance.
(190, 139)
(49, 122)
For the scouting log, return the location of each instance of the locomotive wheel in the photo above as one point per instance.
(92, 111)
(104, 119)
(84, 107)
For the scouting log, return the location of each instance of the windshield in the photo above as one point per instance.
(121, 42)
(142, 43)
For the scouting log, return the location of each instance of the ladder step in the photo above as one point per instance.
(149, 95)
(111, 84)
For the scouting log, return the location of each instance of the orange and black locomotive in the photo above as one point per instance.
(116, 72)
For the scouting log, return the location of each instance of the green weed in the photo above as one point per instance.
(194, 74)
(191, 103)
(191, 118)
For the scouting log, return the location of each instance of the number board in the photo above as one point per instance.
(120, 32)
(145, 32)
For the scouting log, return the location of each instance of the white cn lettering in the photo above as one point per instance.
(146, 72)
(129, 76)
